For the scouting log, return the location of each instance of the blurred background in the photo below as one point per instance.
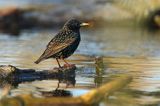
(124, 32)
(18, 15)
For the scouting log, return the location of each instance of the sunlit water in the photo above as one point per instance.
(126, 50)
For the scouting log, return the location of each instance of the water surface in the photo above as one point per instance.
(125, 50)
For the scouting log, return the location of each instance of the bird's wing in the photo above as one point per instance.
(57, 44)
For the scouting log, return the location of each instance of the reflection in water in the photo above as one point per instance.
(99, 70)
(19, 76)
(57, 93)
(125, 50)
(6, 87)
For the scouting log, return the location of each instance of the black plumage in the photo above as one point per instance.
(64, 43)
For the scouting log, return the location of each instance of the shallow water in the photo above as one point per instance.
(126, 50)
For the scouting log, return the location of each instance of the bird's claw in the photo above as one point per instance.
(58, 68)
(69, 65)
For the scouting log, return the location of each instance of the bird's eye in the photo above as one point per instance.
(77, 24)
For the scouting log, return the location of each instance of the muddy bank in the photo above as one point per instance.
(13, 20)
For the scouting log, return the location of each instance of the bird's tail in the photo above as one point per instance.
(38, 61)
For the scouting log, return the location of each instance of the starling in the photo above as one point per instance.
(64, 43)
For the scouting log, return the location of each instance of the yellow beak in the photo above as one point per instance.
(84, 24)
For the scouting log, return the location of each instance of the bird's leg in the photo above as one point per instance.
(58, 63)
(67, 64)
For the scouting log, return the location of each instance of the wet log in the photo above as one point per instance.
(90, 98)
(15, 75)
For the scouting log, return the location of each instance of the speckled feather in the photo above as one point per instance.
(62, 45)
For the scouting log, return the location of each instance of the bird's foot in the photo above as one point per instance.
(69, 65)
(58, 68)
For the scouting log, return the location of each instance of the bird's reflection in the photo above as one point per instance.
(57, 93)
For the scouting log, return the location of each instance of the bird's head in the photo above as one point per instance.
(74, 24)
